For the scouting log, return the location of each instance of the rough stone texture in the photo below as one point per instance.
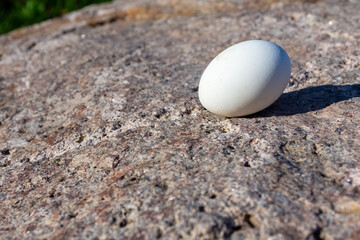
(102, 135)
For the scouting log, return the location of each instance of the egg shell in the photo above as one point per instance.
(245, 78)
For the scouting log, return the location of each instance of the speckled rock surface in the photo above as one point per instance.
(102, 135)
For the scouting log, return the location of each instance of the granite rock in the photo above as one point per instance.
(102, 135)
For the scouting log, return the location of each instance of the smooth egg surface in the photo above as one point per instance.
(245, 78)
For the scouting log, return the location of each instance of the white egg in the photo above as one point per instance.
(245, 78)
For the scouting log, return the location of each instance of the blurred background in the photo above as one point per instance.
(19, 13)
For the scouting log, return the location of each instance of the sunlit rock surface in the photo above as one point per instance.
(102, 135)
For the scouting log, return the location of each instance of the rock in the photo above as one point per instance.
(102, 134)
(347, 206)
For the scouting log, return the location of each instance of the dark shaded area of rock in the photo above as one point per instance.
(102, 134)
